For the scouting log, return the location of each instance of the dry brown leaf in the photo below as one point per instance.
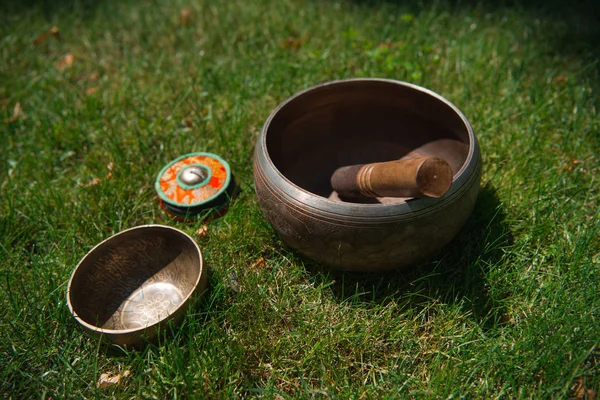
(260, 263)
(580, 392)
(573, 164)
(65, 62)
(15, 116)
(93, 182)
(185, 16)
(390, 45)
(91, 90)
(560, 79)
(110, 168)
(202, 231)
(292, 42)
(41, 39)
(54, 31)
(107, 380)
(507, 319)
(93, 77)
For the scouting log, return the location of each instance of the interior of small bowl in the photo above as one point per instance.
(135, 279)
(358, 122)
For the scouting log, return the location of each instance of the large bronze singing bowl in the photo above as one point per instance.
(361, 121)
(131, 284)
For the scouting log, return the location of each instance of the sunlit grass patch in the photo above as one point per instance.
(97, 97)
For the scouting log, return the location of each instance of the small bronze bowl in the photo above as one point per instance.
(362, 121)
(131, 284)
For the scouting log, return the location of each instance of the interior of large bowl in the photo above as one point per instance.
(362, 121)
(135, 279)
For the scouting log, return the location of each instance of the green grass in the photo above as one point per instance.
(510, 309)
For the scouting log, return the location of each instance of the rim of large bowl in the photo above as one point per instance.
(131, 330)
(326, 205)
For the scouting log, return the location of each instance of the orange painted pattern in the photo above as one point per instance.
(170, 187)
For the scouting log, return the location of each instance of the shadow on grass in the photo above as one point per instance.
(48, 8)
(458, 274)
(577, 21)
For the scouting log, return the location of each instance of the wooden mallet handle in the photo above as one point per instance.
(407, 177)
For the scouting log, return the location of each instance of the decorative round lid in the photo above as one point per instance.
(195, 183)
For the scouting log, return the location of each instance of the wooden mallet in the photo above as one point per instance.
(412, 176)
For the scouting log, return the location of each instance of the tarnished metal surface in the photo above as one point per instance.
(131, 283)
(361, 121)
(194, 175)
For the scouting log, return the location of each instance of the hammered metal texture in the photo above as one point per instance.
(130, 283)
(360, 121)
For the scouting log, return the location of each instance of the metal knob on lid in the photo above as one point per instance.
(194, 175)
(195, 184)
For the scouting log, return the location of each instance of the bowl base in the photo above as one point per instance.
(146, 306)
